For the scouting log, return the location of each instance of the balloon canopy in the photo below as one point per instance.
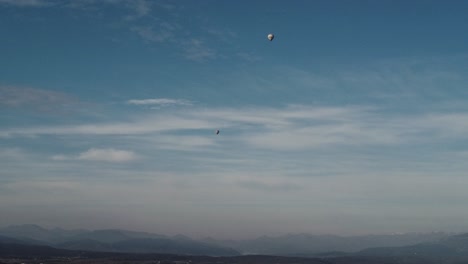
(271, 37)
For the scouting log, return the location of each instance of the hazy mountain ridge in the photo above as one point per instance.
(38, 233)
(115, 235)
(9, 240)
(149, 245)
(304, 245)
(448, 247)
(46, 254)
(111, 240)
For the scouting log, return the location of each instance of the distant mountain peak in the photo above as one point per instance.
(181, 237)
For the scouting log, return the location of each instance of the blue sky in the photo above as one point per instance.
(354, 120)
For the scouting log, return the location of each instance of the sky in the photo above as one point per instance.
(353, 120)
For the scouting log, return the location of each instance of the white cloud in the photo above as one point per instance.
(159, 101)
(109, 155)
(96, 154)
(180, 142)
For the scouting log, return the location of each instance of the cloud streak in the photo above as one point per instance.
(159, 102)
(26, 3)
(289, 128)
(97, 154)
(109, 155)
(268, 186)
(23, 97)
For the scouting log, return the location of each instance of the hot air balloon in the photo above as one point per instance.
(271, 37)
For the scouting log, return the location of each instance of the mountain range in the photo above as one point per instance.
(308, 245)
(27, 241)
(115, 240)
(110, 240)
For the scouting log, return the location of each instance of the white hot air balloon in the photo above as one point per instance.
(271, 37)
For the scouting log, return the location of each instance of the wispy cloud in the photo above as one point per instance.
(159, 102)
(194, 49)
(197, 50)
(26, 3)
(11, 153)
(269, 186)
(60, 157)
(222, 34)
(135, 8)
(179, 142)
(250, 57)
(289, 128)
(150, 34)
(96, 154)
(149, 125)
(141, 7)
(45, 185)
(142, 17)
(32, 98)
